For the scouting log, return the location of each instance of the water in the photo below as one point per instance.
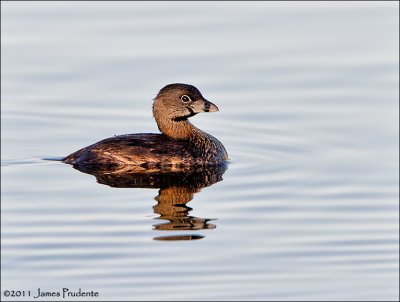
(308, 207)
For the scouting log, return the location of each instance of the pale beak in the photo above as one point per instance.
(203, 106)
(210, 107)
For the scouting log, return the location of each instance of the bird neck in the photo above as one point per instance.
(177, 129)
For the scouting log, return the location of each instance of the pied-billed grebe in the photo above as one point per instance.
(180, 144)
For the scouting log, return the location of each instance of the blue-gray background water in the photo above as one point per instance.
(308, 208)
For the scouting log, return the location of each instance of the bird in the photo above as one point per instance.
(179, 146)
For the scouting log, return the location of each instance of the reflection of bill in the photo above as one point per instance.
(177, 188)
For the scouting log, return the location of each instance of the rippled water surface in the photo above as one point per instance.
(308, 207)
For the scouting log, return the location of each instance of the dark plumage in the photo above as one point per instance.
(180, 145)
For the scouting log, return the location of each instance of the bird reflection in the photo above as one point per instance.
(176, 188)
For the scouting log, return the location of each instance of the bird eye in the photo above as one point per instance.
(185, 98)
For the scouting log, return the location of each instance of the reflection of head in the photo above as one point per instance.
(172, 207)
